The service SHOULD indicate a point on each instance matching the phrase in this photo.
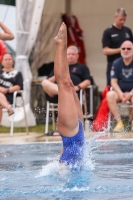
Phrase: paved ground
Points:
(19, 138)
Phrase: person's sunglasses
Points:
(126, 48)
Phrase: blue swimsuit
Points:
(73, 148)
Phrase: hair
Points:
(7, 54)
(121, 11)
(129, 43)
(74, 47)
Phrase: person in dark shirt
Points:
(122, 83)
(79, 73)
(113, 37)
(11, 80)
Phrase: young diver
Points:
(70, 116)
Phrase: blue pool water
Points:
(32, 171)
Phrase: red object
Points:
(3, 49)
(75, 35)
(101, 118)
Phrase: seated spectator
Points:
(10, 81)
(122, 83)
(79, 73)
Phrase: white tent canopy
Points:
(28, 21)
(30, 24)
(29, 14)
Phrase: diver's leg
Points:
(67, 123)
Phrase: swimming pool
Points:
(32, 171)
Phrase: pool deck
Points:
(21, 138)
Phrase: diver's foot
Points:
(61, 37)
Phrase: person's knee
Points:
(111, 96)
(45, 83)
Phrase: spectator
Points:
(113, 37)
(122, 83)
(10, 81)
(7, 34)
(79, 74)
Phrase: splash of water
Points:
(55, 167)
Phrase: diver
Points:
(70, 116)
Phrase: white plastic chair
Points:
(121, 107)
(13, 107)
(83, 102)
(50, 107)
(54, 107)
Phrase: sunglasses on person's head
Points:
(124, 48)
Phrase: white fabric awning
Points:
(29, 14)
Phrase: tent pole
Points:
(68, 6)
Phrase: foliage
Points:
(39, 128)
(8, 2)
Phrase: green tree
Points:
(8, 2)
